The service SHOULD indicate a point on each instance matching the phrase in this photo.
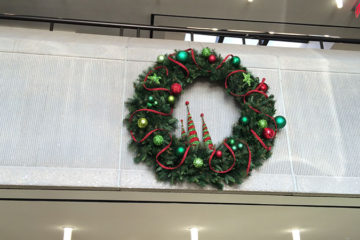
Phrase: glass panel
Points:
(200, 38)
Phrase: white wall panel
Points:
(59, 112)
(316, 138)
(62, 109)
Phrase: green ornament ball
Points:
(180, 151)
(262, 123)
(234, 148)
(198, 162)
(182, 56)
(158, 140)
(244, 120)
(280, 121)
(206, 52)
(160, 58)
(232, 141)
(142, 122)
(171, 99)
(149, 105)
(235, 61)
(240, 146)
(156, 103)
(151, 98)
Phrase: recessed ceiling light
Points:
(250, 0)
(194, 234)
(339, 3)
(296, 234)
(67, 233)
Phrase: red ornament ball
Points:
(269, 133)
(263, 87)
(212, 58)
(218, 153)
(176, 88)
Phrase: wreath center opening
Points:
(219, 109)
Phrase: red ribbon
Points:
(193, 58)
(147, 110)
(260, 140)
(226, 80)
(232, 153)
(179, 63)
(164, 149)
(257, 111)
(258, 86)
(156, 89)
(223, 61)
(249, 160)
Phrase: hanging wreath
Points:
(187, 159)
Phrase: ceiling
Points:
(40, 215)
(139, 11)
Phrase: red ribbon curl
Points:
(249, 159)
(257, 111)
(226, 82)
(179, 63)
(147, 110)
(164, 149)
(156, 89)
(232, 153)
(223, 61)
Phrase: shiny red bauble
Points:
(212, 58)
(176, 88)
(263, 87)
(268, 133)
(218, 153)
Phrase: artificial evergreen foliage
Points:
(238, 83)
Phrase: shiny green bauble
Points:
(280, 121)
(262, 123)
(171, 99)
(235, 61)
(244, 120)
(231, 141)
(142, 122)
(182, 56)
(151, 98)
(206, 52)
(149, 105)
(198, 162)
(160, 58)
(156, 103)
(240, 146)
(234, 148)
(180, 151)
(158, 140)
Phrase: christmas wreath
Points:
(186, 158)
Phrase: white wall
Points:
(62, 106)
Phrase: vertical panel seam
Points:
(286, 131)
(122, 112)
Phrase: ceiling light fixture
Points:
(67, 233)
(296, 234)
(339, 3)
(250, 0)
(194, 234)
